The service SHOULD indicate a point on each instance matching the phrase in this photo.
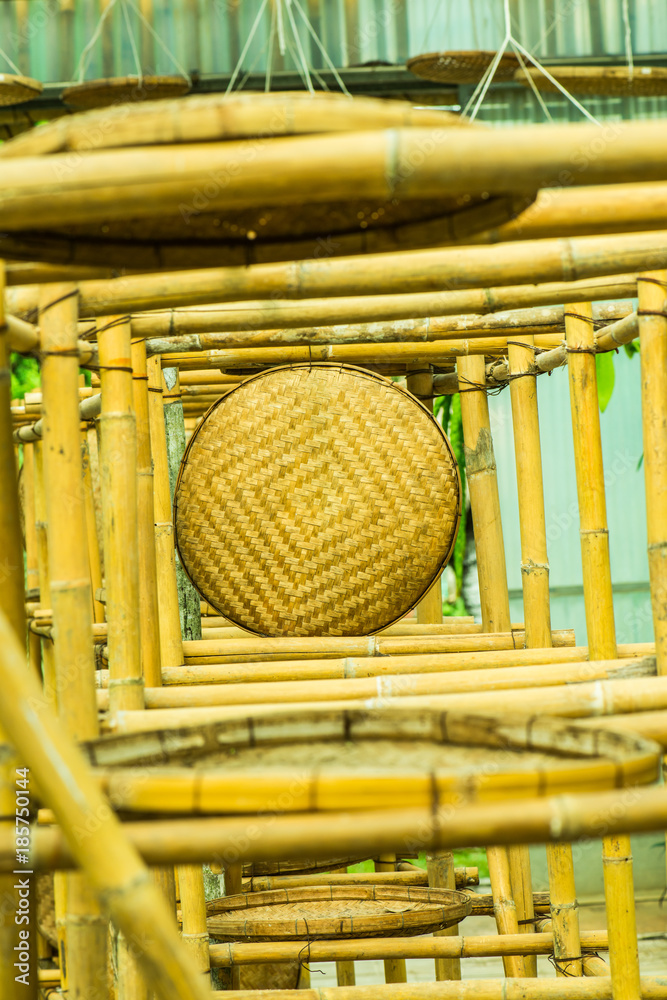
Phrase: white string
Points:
(83, 61)
(299, 46)
(157, 38)
(281, 27)
(533, 87)
(9, 62)
(269, 60)
(628, 37)
(135, 54)
(558, 85)
(325, 54)
(253, 30)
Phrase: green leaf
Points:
(606, 376)
(632, 348)
(640, 462)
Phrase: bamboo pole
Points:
(93, 833)
(463, 877)
(41, 528)
(598, 598)
(91, 529)
(372, 949)
(148, 594)
(442, 875)
(564, 911)
(171, 644)
(193, 913)
(188, 598)
(119, 509)
(12, 601)
(653, 340)
(146, 182)
(598, 601)
(394, 968)
(653, 988)
(374, 666)
(194, 839)
(578, 259)
(85, 925)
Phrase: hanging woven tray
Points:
(465, 67)
(335, 912)
(18, 89)
(607, 81)
(123, 89)
(194, 235)
(348, 759)
(330, 510)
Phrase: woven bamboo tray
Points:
(119, 90)
(607, 81)
(464, 67)
(377, 759)
(330, 510)
(335, 912)
(18, 89)
(197, 236)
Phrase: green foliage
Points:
(467, 857)
(606, 377)
(448, 410)
(25, 375)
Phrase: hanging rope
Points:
(628, 37)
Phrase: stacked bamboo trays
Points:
(462, 67)
(605, 81)
(199, 232)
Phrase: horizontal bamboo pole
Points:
(585, 700)
(577, 211)
(283, 647)
(372, 949)
(415, 630)
(463, 877)
(374, 666)
(397, 686)
(271, 837)
(375, 274)
(389, 354)
(575, 988)
(284, 313)
(403, 163)
(89, 408)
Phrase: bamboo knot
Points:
(532, 567)
(125, 682)
(657, 546)
(652, 312)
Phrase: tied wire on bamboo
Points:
(598, 603)
(84, 926)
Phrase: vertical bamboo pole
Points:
(652, 291)
(534, 571)
(91, 529)
(564, 911)
(71, 601)
(394, 968)
(188, 598)
(345, 974)
(598, 597)
(598, 602)
(148, 595)
(441, 875)
(494, 597)
(193, 910)
(119, 511)
(41, 528)
(12, 598)
(32, 570)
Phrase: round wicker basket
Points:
(605, 81)
(195, 235)
(18, 89)
(332, 515)
(335, 912)
(461, 67)
(348, 759)
(119, 90)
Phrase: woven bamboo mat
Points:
(464, 67)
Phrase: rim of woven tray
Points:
(336, 367)
(461, 66)
(613, 81)
(16, 89)
(94, 94)
(440, 907)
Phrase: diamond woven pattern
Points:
(316, 500)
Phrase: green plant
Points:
(447, 410)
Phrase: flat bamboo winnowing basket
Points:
(316, 500)
(122, 89)
(335, 912)
(341, 760)
(463, 67)
(192, 233)
(605, 81)
(16, 89)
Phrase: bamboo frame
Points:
(653, 340)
